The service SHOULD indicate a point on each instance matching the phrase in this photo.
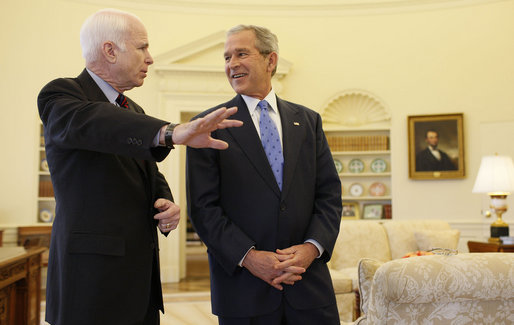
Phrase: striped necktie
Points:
(271, 142)
(122, 100)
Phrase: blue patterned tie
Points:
(271, 142)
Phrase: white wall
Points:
(419, 62)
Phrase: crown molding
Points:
(289, 8)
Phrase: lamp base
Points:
(499, 231)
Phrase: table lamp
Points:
(496, 178)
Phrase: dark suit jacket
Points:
(425, 161)
(104, 245)
(234, 203)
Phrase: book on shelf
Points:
(46, 189)
(358, 143)
(388, 214)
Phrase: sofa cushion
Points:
(401, 234)
(358, 239)
(428, 239)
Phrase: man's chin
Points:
(238, 88)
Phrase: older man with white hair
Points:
(110, 197)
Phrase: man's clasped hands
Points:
(284, 266)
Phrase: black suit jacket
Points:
(234, 203)
(425, 161)
(104, 247)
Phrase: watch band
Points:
(168, 136)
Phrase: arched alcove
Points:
(355, 108)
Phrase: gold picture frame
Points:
(350, 210)
(445, 158)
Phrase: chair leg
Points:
(357, 306)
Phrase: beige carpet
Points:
(179, 309)
(188, 309)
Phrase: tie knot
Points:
(263, 104)
(122, 101)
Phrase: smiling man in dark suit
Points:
(110, 197)
(269, 207)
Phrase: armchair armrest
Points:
(341, 282)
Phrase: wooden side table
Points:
(485, 247)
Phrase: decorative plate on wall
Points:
(44, 165)
(378, 165)
(356, 189)
(356, 166)
(377, 189)
(46, 215)
(339, 165)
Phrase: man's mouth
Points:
(238, 75)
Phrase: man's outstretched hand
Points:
(197, 133)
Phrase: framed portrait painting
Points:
(436, 146)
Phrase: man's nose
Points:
(149, 59)
(233, 62)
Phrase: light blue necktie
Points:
(271, 142)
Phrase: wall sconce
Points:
(496, 178)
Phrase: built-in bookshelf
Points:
(358, 127)
(363, 161)
(45, 199)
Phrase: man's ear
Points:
(109, 51)
(273, 61)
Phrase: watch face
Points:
(356, 189)
(356, 166)
(339, 165)
(378, 165)
(377, 189)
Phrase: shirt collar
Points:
(107, 89)
(251, 102)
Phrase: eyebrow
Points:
(238, 50)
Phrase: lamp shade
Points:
(496, 175)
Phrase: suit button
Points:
(282, 207)
(152, 245)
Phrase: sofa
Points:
(380, 240)
(469, 288)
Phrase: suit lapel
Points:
(250, 144)
(94, 93)
(293, 135)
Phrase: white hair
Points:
(103, 26)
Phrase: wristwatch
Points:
(168, 135)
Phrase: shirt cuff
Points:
(321, 250)
(155, 142)
(241, 261)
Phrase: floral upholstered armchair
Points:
(382, 241)
(460, 289)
